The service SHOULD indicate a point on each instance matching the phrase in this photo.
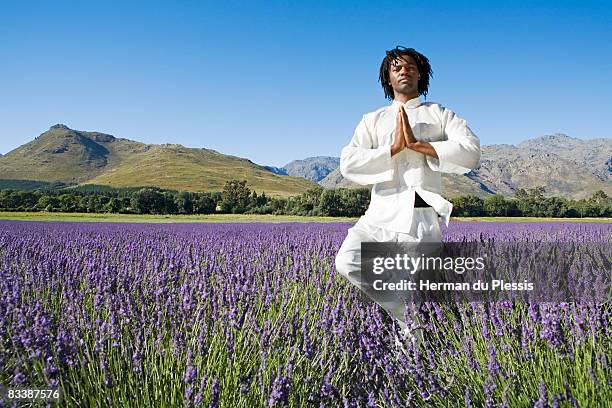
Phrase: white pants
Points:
(425, 228)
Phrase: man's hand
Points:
(410, 141)
(408, 135)
(399, 143)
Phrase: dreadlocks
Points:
(422, 65)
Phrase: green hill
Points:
(76, 157)
(180, 168)
(66, 155)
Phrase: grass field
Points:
(89, 217)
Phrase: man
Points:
(402, 149)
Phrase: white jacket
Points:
(367, 160)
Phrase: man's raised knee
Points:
(341, 264)
(345, 264)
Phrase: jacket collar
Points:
(410, 104)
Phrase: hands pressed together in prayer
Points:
(404, 138)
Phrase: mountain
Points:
(312, 168)
(277, 170)
(453, 185)
(77, 157)
(594, 154)
(67, 155)
(565, 166)
(181, 168)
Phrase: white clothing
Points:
(425, 228)
(391, 216)
(367, 160)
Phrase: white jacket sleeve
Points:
(460, 152)
(363, 164)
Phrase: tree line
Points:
(238, 198)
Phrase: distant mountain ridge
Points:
(312, 168)
(565, 166)
(66, 155)
(594, 153)
(277, 170)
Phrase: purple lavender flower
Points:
(279, 393)
(214, 394)
(492, 364)
(468, 398)
(542, 401)
(127, 297)
(489, 393)
(199, 397)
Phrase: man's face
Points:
(404, 75)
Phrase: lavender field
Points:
(254, 315)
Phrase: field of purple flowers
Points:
(254, 315)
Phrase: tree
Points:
(496, 206)
(526, 207)
(204, 203)
(537, 192)
(355, 201)
(330, 203)
(68, 203)
(88, 203)
(23, 200)
(113, 205)
(101, 202)
(126, 205)
(521, 194)
(169, 203)
(184, 202)
(148, 201)
(48, 203)
(600, 198)
(468, 206)
(513, 210)
(258, 204)
(306, 203)
(235, 197)
(276, 206)
(555, 207)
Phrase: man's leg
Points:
(424, 238)
(348, 264)
(348, 258)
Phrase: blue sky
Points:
(278, 81)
